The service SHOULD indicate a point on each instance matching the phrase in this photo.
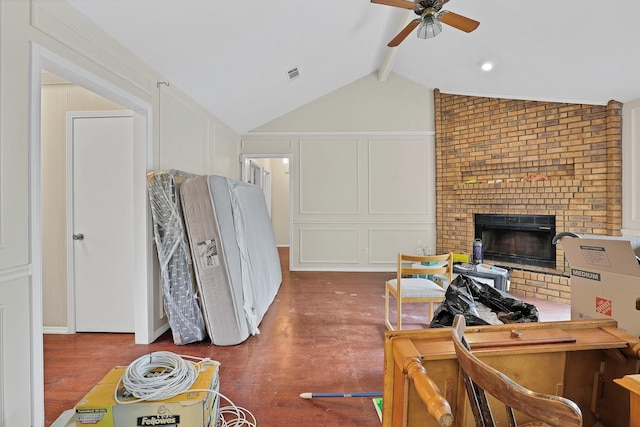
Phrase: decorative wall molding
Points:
(56, 330)
(385, 243)
(398, 177)
(343, 133)
(315, 250)
(367, 223)
(329, 177)
(78, 40)
(256, 147)
(13, 273)
(332, 188)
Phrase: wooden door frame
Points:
(42, 58)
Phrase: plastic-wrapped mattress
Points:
(177, 281)
(234, 252)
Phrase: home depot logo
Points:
(604, 306)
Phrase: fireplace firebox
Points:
(518, 239)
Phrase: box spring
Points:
(234, 252)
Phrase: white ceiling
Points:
(233, 56)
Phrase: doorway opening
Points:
(59, 98)
(43, 60)
(271, 172)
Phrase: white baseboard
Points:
(66, 419)
(56, 330)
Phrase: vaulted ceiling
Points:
(233, 56)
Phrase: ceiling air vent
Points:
(293, 74)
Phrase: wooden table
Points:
(632, 383)
(577, 359)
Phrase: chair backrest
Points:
(425, 265)
(480, 378)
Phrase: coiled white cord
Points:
(162, 375)
(159, 376)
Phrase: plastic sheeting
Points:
(178, 286)
(481, 304)
(261, 273)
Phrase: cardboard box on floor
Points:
(605, 280)
(192, 409)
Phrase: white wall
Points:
(191, 140)
(631, 168)
(39, 31)
(280, 201)
(363, 174)
(397, 106)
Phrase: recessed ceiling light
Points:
(486, 66)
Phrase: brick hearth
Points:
(577, 148)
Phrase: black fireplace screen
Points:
(519, 239)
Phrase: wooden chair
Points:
(406, 288)
(481, 379)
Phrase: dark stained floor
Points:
(323, 333)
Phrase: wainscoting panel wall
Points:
(398, 178)
(329, 177)
(358, 198)
(387, 242)
(324, 244)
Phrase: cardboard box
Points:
(605, 280)
(192, 409)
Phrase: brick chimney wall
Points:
(576, 148)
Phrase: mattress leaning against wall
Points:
(176, 273)
(235, 296)
(261, 273)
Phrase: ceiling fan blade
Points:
(404, 33)
(396, 3)
(458, 21)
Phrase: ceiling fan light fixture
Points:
(429, 27)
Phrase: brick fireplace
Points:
(518, 157)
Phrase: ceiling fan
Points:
(430, 17)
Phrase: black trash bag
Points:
(463, 293)
(458, 300)
(508, 308)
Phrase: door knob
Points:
(78, 236)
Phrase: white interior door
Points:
(101, 221)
